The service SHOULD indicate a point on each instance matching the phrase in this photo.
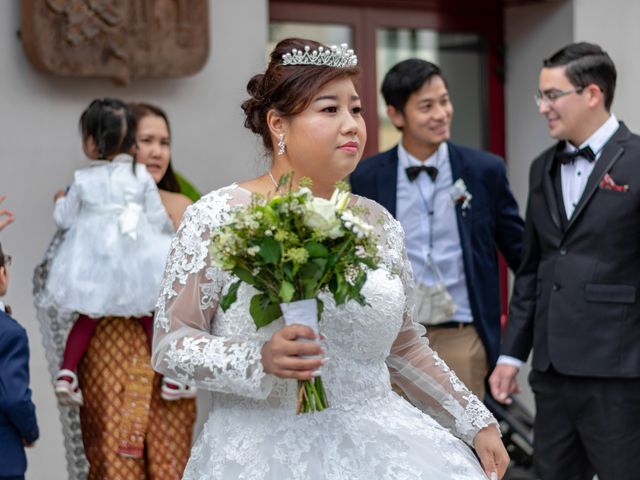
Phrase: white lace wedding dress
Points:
(369, 432)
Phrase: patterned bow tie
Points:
(413, 172)
(568, 157)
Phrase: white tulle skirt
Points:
(100, 271)
(383, 439)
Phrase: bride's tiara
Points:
(341, 57)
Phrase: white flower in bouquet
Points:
(356, 224)
(320, 214)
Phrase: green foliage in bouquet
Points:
(292, 246)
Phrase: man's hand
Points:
(503, 383)
(58, 194)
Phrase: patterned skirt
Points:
(128, 431)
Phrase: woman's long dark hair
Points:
(169, 181)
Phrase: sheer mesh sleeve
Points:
(424, 377)
(183, 346)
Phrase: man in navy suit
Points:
(18, 426)
(457, 211)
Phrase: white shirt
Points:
(574, 175)
(436, 233)
(574, 178)
(2, 309)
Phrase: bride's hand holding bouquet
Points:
(290, 248)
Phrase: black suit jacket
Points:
(575, 298)
(492, 221)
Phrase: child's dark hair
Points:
(110, 123)
(1, 256)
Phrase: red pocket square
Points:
(607, 183)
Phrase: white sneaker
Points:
(172, 390)
(67, 389)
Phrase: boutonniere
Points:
(460, 195)
(608, 183)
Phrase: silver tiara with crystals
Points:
(334, 56)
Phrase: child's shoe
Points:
(172, 390)
(67, 389)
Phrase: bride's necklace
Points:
(273, 180)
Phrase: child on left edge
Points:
(18, 424)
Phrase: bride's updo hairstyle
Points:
(287, 89)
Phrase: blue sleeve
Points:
(15, 394)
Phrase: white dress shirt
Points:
(437, 233)
(573, 177)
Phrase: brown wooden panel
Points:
(117, 39)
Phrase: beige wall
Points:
(40, 148)
(613, 24)
(532, 33)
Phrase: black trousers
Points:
(586, 425)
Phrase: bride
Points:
(308, 114)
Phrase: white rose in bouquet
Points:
(320, 214)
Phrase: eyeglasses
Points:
(7, 260)
(551, 96)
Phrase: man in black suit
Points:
(575, 299)
(457, 210)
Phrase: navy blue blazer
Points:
(17, 411)
(491, 223)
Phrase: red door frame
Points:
(365, 16)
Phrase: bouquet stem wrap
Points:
(311, 396)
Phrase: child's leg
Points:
(147, 324)
(78, 342)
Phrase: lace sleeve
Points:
(183, 346)
(424, 377)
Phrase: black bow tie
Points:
(413, 172)
(568, 157)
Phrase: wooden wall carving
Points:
(118, 39)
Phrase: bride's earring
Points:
(281, 145)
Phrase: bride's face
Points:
(326, 141)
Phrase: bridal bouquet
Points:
(290, 247)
